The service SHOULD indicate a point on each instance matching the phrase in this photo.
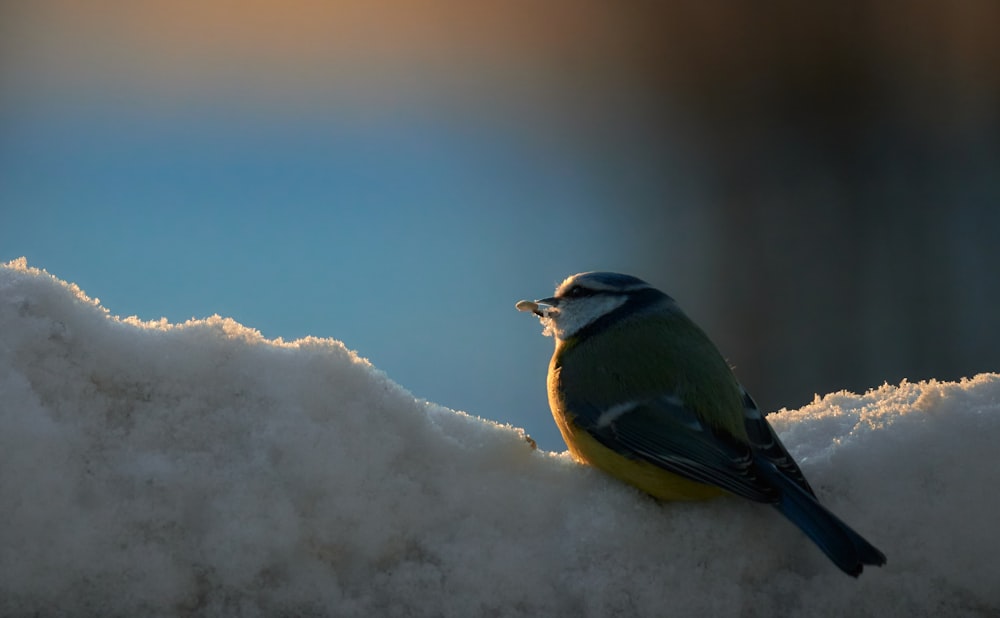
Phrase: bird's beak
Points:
(542, 308)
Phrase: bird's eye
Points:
(575, 292)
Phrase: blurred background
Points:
(818, 184)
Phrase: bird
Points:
(639, 391)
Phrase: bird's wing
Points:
(667, 434)
(767, 445)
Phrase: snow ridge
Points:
(159, 469)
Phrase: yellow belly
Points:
(651, 479)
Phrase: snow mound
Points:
(159, 469)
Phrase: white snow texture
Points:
(198, 469)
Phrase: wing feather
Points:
(767, 445)
(665, 433)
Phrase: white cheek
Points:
(574, 315)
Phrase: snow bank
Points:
(199, 469)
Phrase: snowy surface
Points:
(149, 468)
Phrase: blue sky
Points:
(407, 235)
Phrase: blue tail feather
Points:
(845, 547)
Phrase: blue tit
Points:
(639, 391)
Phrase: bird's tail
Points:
(845, 547)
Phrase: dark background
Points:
(851, 159)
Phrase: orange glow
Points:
(694, 52)
(307, 44)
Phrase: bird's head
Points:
(585, 298)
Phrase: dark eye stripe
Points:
(578, 291)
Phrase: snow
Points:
(158, 469)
